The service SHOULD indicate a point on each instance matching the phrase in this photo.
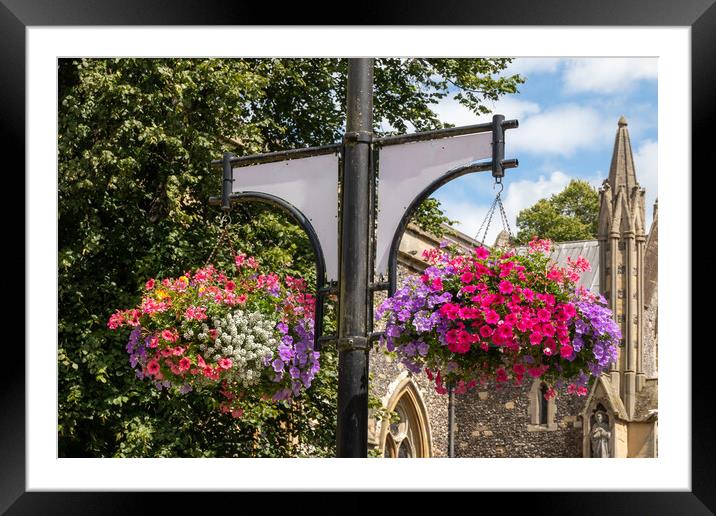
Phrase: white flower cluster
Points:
(244, 337)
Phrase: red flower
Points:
(153, 367)
(543, 315)
(482, 253)
(492, 317)
(486, 331)
(501, 376)
(566, 350)
(506, 287)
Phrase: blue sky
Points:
(568, 111)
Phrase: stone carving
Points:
(600, 436)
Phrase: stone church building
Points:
(517, 421)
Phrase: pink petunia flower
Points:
(535, 338)
(153, 367)
(566, 350)
(492, 317)
(486, 331)
(544, 315)
(482, 253)
(467, 277)
(115, 320)
(506, 287)
(501, 376)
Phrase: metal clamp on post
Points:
(498, 146)
(499, 163)
(358, 137)
(353, 343)
(227, 184)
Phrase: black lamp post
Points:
(354, 276)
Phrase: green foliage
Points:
(135, 142)
(571, 214)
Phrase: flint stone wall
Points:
(496, 423)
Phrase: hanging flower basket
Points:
(250, 335)
(499, 316)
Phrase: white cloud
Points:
(469, 216)
(646, 165)
(451, 111)
(517, 196)
(562, 130)
(527, 66)
(523, 194)
(607, 75)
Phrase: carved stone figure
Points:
(600, 436)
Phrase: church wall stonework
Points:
(651, 300)
(651, 336)
(496, 423)
(641, 440)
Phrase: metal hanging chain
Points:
(225, 223)
(497, 203)
(487, 220)
(505, 221)
(224, 237)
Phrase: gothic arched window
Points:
(544, 405)
(542, 411)
(407, 435)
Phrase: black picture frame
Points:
(17, 15)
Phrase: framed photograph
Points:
(668, 47)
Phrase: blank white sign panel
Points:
(406, 170)
(310, 185)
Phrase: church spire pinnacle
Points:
(621, 171)
(621, 255)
